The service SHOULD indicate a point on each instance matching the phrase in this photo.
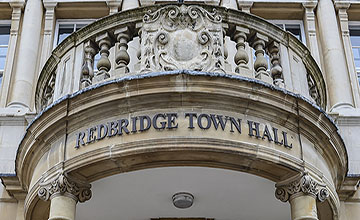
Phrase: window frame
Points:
(357, 24)
(68, 21)
(289, 22)
(3, 23)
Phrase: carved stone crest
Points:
(305, 184)
(182, 37)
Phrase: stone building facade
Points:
(164, 109)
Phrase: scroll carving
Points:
(182, 37)
(304, 184)
(65, 185)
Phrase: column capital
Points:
(65, 185)
(341, 5)
(311, 5)
(49, 4)
(245, 6)
(17, 4)
(302, 183)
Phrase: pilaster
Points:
(310, 29)
(342, 8)
(49, 27)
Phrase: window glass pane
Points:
(355, 40)
(4, 34)
(3, 51)
(2, 62)
(64, 31)
(356, 52)
(79, 26)
(294, 29)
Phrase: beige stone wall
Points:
(340, 77)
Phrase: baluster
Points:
(104, 64)
(241, 57)
(276, 70)
(87, 70)
(261, 63)
(122, 57)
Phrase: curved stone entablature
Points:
(173, 37)
(245, 124)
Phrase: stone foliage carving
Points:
(48, 95)
(63, 184)
(304, 184)
(313, 90)
(182, 37)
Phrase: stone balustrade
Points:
(173, 37)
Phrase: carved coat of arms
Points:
(182, 37)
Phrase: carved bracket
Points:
(301, 184)
(63, 184)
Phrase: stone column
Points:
(49, 27)
(310, 29)
(17, 6)
(21, 94)
(335, 67)
(64, 192)
(301, 191)
(345, 33)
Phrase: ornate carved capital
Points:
(63, 184)
(301, 184)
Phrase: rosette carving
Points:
(304, 184)
(65, 185)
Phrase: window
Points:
(355, 44)
(66, 27)
(295, 27)
(4, 41)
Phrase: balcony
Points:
(200, 38)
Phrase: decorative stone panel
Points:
(182, 37)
